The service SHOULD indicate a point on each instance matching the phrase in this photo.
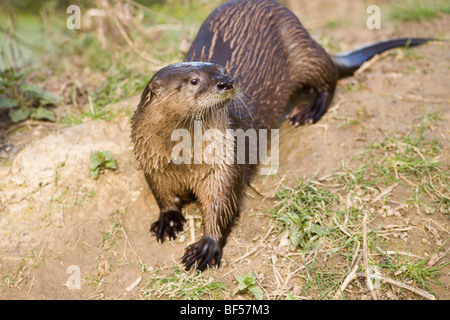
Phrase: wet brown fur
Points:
(268, 53)
(265, 48)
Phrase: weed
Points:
(418, 271)
(301, 209)
(414, 163)
(322, 219)
(24, 100)
(94, 280)
(248, 283)
(179, 284)
(100, 161)
(116, 230)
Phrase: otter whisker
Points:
(241, 96)
(176, 126)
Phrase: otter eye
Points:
(194, 82)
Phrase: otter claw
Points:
(169, 224)
(203, 254)
(311, 113)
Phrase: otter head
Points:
(189, 89)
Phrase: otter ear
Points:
(152, 89)
(155, 86)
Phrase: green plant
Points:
(24, 100)
(101, 161)
(419, 271)
(179, 284)
(321, 221)
(247, 283)
(116, 230)
(299, 210)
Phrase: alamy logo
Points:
(74, 280)
(74, 20)
(374, 21)
(215, 147)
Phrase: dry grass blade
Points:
(350, 277)
(368, 64)
(399, 284)
(260, 243)
(366, 262)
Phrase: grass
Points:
(116, 231)
(320, 221)
(65, 199)
(176, 283)
(303, 211)
(418, 271)
(413, 162)
(28, 263)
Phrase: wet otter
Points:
(175, 97)
(270, 56)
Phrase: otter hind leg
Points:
(312, 112)
(169, 224)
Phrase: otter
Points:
(175, 97)
(255, 47)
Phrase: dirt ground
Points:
(52, 215)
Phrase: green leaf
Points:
(251, 277)
(290, 296)
(48, 98)
(101, 161)
(256, 291)
(247, 282)
(241, 283)
(111, 164)
(8, 103)
(94, 164)
(296, 236)
(106, 155)
(94, 173)
(95, 160)
(17, 115)
(43, 114)
(32, 91)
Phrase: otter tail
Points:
(348, 62)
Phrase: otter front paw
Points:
(169, 224)
(202, 254)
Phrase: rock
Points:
(49, 184)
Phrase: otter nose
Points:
(226, 83)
